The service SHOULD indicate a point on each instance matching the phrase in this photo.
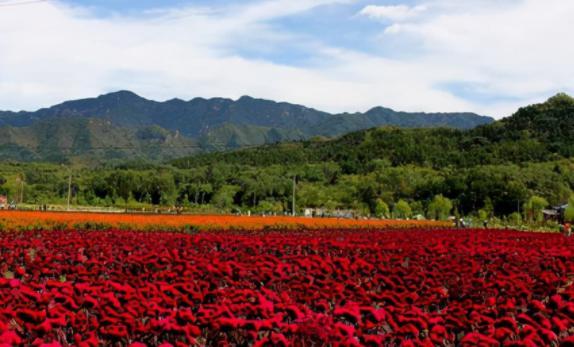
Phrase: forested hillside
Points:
(497, 169)
(536, 133)
(122, 126)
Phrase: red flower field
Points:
(302, 288)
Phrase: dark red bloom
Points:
(328, 287)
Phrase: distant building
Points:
(555, 213)
(322, 212)
(315, 212)
(3, 202)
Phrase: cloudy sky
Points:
(485, 56)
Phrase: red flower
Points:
(476, 339)
(439, 334)
(10, 338)
(117, 331)
(330, 287)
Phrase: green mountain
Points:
(62, 138)
(492, 170)
(125, 125)
(536, 133)
(495, 168)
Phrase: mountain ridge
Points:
(535, 133)
(210, 124)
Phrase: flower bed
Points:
(27, 220)
(345, 288)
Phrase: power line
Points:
(20, 3)
(97, 148)
(152, 146)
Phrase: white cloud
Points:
(393, 12)
(51, 52)
(518, 50)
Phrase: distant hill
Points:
(537, 133)
(61, 138)
(125, 125)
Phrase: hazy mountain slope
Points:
(63, 138)
(535, 133)
(91, 127)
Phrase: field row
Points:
(32, 220)
(344, 288)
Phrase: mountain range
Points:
(123, 125)
(536, 133)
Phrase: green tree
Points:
(533, 208)
(515, 219)
(417, 209)
(3, 181)
(161, 187)
(439, 208)
(225, 196)
(121, 183)
(270, 206)
(402, 210)
(488, 207)
(311, 195)
(381, 209)
(200, 192)
(483, 215)
(569, 213)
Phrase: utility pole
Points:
(69, 188)
(294, 185)
(19, 196)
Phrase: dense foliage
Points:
(495, 170)
(498, 189)
(536, 133)
(123, 125)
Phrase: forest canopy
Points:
(494, 169)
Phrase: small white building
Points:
(323, 212)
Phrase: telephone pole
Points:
(19, 196)
(69, 189)
(294, 187)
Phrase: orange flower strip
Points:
(26, 220)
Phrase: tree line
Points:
(385, 191)
(511, 169)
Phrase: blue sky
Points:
(138, 7)
(334, 24)
(485, 56)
